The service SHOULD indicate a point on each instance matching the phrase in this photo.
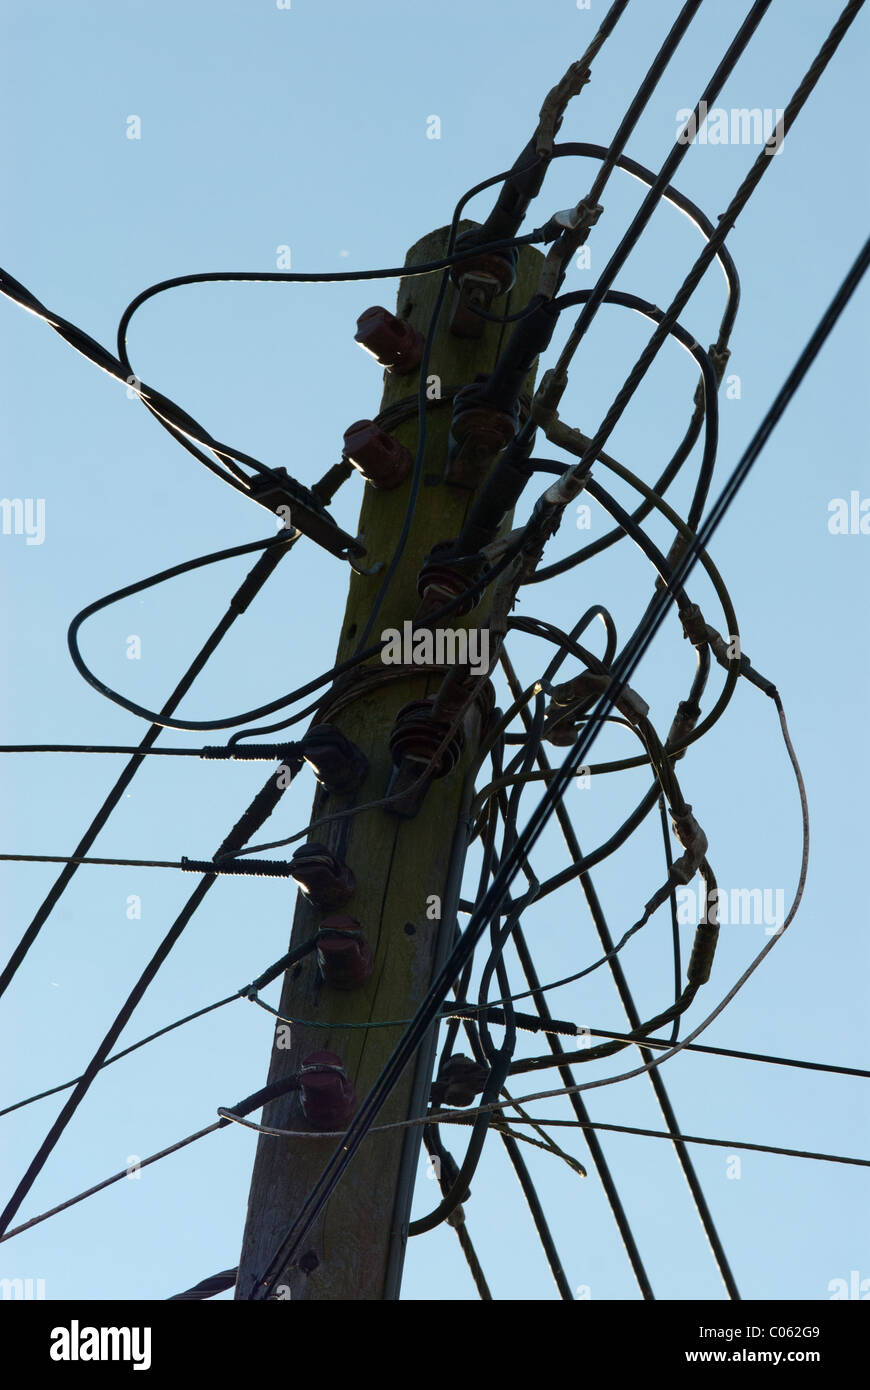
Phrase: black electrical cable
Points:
(125, 1052)
(452, 1117)
(188, 725)
(207, 1288)
(519, 1165)
(173, 572)
(663, 178)
(128, 748)
(533, 332)
(78, 859)
(537, 625)
(561, 1058)
(605, 280)
(708, 374)
(181, 426)
(545, 1236)
(578, 1106)
(690, 209)
(726, 221)
(495, 962)
(828, 1067)
(502, 488)
(247, 992)
(511, 1147)
(312, 277)
(596, 1152)
(243, 596)
(258, 811)
(681, 1138)
(636, 107)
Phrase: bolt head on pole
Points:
(479, 281)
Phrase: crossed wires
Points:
(577, 711)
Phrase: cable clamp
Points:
(553, 107)
(687, 715)
(576, 224)
(543, 409)
(673, 558)
(276, 488)
(694, 624)
(587, 686)
(565, 489)
(579, 218)
(719, 357)
(693, 840)
(727, 657)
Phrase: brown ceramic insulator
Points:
(392, 342)
(337, 763)
(382, 460)
(417, 735)
(438, 582)
(328, 1097)
(459, 1081)
(478, 432)
(416, 738)
(343, 954)
(325, 880)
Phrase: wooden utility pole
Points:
(400, 866)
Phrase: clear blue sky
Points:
(306, 127)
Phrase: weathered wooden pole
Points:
(400, 865)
